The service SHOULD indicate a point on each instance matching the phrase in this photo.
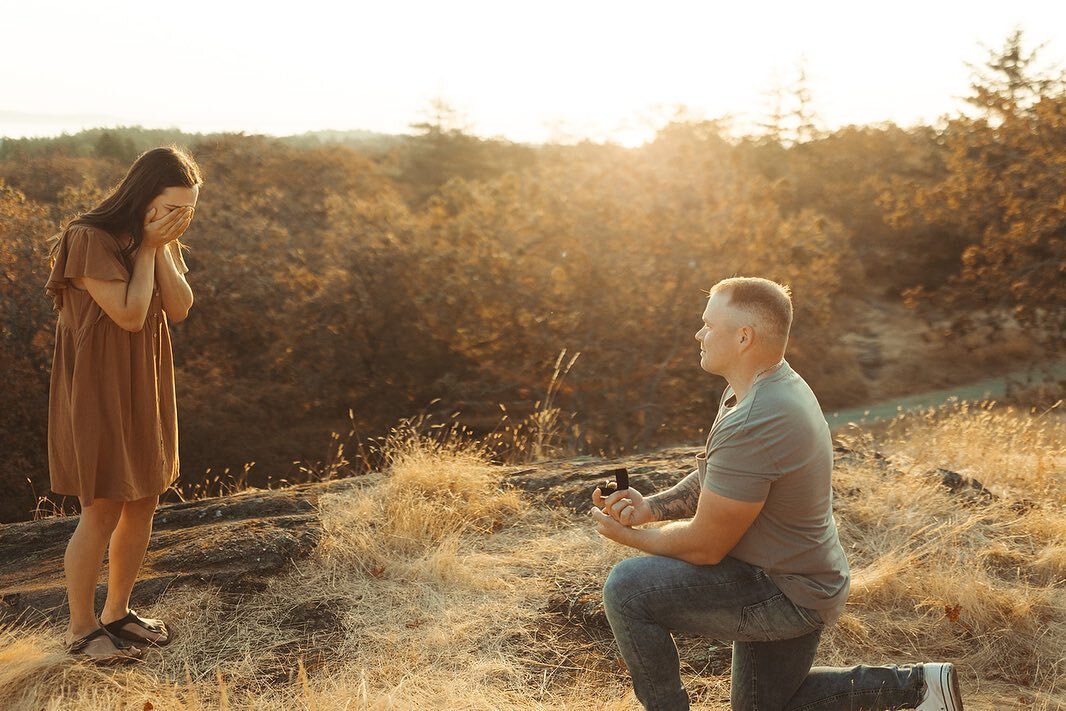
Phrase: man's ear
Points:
(747, 337)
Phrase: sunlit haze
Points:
(549, 70)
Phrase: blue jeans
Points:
(774, 641)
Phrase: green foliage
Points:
(124, 143)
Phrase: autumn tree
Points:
(444, 147)
(865, 178)
(26, 338)
(791, 118)
(444, 268)
(1011, 81)
(1006, 175)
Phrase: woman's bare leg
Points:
(129, 542)
(81, 565)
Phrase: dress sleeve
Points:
(179, 258)
(84, 252)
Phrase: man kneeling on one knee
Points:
(752, 553)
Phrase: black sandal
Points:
(117, 629)
(122, 649)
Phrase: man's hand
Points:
(607, 527)
(627, 507)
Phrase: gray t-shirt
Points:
(775, 446)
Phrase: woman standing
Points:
(117, 281)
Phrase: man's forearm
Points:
(679, 540)
(679, 501)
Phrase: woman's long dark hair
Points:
(122, 212)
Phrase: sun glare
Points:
(519, 71)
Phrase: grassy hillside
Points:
(436, 588)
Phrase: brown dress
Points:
(112, 417)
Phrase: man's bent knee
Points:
(626, 580)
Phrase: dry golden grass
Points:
(956, 576)
(431, 588)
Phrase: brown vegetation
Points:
(435, 584)
(446, 272)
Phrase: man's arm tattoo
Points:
(679, 501)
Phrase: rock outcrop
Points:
(236, 543)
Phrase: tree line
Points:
(442, 272)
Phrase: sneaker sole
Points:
(950, 681)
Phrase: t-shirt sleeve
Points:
(85, 252)
(740, 464)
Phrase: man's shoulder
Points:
(757, 417)
(787, 394)
(778, 404)
(780, 411)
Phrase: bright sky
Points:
(528, 71)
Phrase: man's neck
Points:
(745, 376)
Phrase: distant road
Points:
(988, 389)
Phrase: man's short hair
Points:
(769, 302)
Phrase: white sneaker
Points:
(941, 688)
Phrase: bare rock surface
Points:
(237, 543)
(234, 543)
(568, 483)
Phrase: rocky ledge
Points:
(236, 543)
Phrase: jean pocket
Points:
(812, 616)
(773, 619)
